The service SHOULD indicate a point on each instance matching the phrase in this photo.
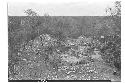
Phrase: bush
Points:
(60, 29)
(111, 50)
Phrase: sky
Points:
(79, 8)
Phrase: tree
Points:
(30, 12)
(112, 47)
(116, 10)
(115, 13)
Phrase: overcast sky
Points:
(60, 9)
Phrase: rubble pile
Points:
(48, 58)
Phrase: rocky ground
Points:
(47, 58)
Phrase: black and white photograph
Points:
(76, 41)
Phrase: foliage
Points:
(112, 50)
(112, 47)
(116, 10)
(28, 39)
(30, 12)
(115, 13)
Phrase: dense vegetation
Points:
(28, 36)
(101, 30)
